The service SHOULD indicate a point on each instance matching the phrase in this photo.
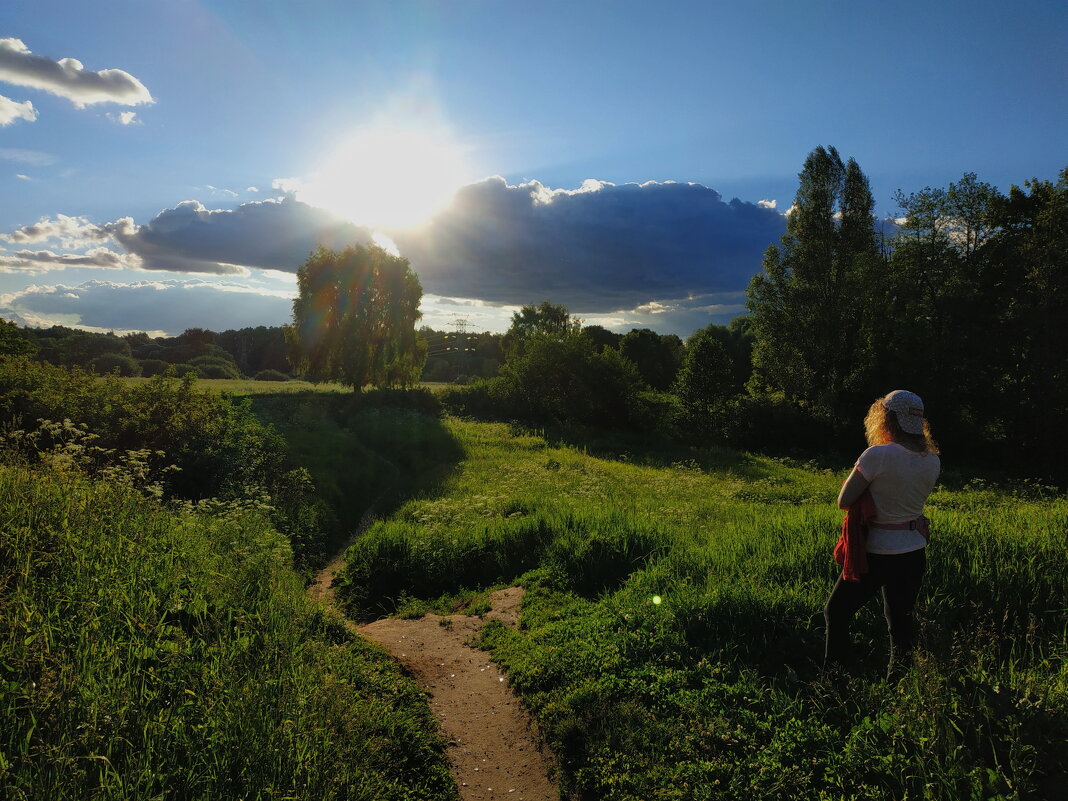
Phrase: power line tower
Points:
(461, 343)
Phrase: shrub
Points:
(271, 375)
(153, 367)
(556, 379)
(219, 447)
(126, 366)
(215, 366)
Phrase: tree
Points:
(656, 356)
(810, 306)
(602, 338)
(354, 319)
(13, 342)
(565, 379)
(547, 318)
(705, 380)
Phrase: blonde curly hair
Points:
(881, 428)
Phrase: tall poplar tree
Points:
(810, 306)
(354, 319)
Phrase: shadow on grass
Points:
(375, 448)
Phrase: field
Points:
(247, 386)
(671, 640)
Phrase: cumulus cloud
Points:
(165, 306)
(670, 256)
(68, 78)
(597, 249)
(270, 234)
(11, 110)
(41, 260)
(69, 232)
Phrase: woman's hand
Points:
(852, 488)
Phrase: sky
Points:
(167, 164)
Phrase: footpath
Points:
(492, 750)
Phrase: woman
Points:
(898, 471)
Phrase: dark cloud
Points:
(270, 234)
(68, 78)
(600, 248)
(167, 306)
(668, 256)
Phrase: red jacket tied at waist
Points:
(851, 551)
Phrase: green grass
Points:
(151, 653)
(247, 386)
(714, 691)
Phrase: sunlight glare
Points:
(392, 177)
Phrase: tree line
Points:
(258, 352)
(965, 302)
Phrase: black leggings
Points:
(899, 576)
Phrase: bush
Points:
(153, 367)
(219, 447)
(214, 366)
(126, 366)
(182, 370)
(556, 379)
(270, 375)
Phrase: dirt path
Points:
(492, 752)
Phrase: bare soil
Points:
(492, 748)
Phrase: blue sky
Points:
(240, 134)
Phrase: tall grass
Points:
(671, 640)
(151, 653)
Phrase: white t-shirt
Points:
(900, 481)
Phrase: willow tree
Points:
(811, 305)
(354, 319)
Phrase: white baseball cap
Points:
(908, 406)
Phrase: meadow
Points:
(240, 387)
(157, 642)
(152, 652)
(671, 638)
(155, 637)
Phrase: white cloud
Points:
(23, 176)
(68, 78)
(35, 158)
(768, 204)
(11, 110)
(287, 186)
(251, 189)
(124, 117)
(69, 232)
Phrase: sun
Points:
(389, 177)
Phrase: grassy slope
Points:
(147, 653)
(714, 691)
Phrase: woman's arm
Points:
(852, 488)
